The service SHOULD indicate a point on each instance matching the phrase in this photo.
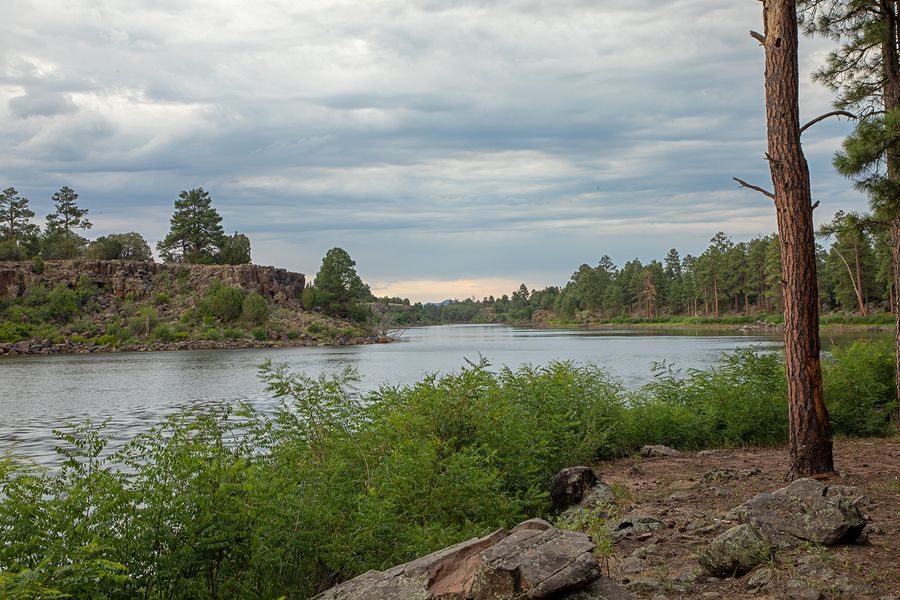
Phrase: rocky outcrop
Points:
(534, 560)
(141, 279)
(807, 510)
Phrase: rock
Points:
(729, 474)
(536, 563)
(634, 523)
(735, 552)
(632, 565)
(797, 590)
(644, 585)
(680, 496)
(569, 486)
(761, 579)
(658, 450)
(534, 560)
(804, 511)
(600, 494)
(602, 588)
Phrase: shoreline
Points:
(758, 326)
(45, 347)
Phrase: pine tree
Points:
(865, 73)
(68, 215)
(196, 233)
(15, 225)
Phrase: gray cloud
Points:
(458, 139)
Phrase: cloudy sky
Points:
(454, 148)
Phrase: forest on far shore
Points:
(727, 281)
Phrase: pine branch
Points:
(834, 113)
(750, 186)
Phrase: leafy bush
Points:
(314, 328)
(859, 388)
(161, 298)
(212, 334)
(105, 340)
(14, 332)
(233, 333)
(223, 302)
(254, 310)
(260, 334)
(62, 304)
(163, 333)
(144, 322)
(37, 265)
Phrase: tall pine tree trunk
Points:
(810, 435)
(891, 64)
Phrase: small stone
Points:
(635, 524)
(797, 590)
(680, 496)
(632, 565)
(761, 579)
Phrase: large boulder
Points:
(534, 560)
(569, 486)
(807, 510)
(735, 552)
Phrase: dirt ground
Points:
(691, 493)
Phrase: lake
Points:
(135, 390)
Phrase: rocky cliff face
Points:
(141, 279)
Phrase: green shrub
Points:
(144, 322)
(212, 334)
(181, 335)
(105, 340)
(293, 334)
(78, 339)
(314, 328)
(223, 302)
(163, 333)
(14, 332)
(161, 298)
(859, 388)
(260, 334)
(233, 333)
(255, 311)
(37, 265)
(62, 304)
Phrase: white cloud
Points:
(464, 140)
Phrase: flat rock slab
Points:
(807, 510)
(658, 450)
(534, 560)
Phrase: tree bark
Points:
(891, 99)
(810, 435)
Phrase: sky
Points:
(455, 148)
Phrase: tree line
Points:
(196, 234)
(728, 278)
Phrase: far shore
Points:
(44, 347)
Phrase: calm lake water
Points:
(134, 390)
